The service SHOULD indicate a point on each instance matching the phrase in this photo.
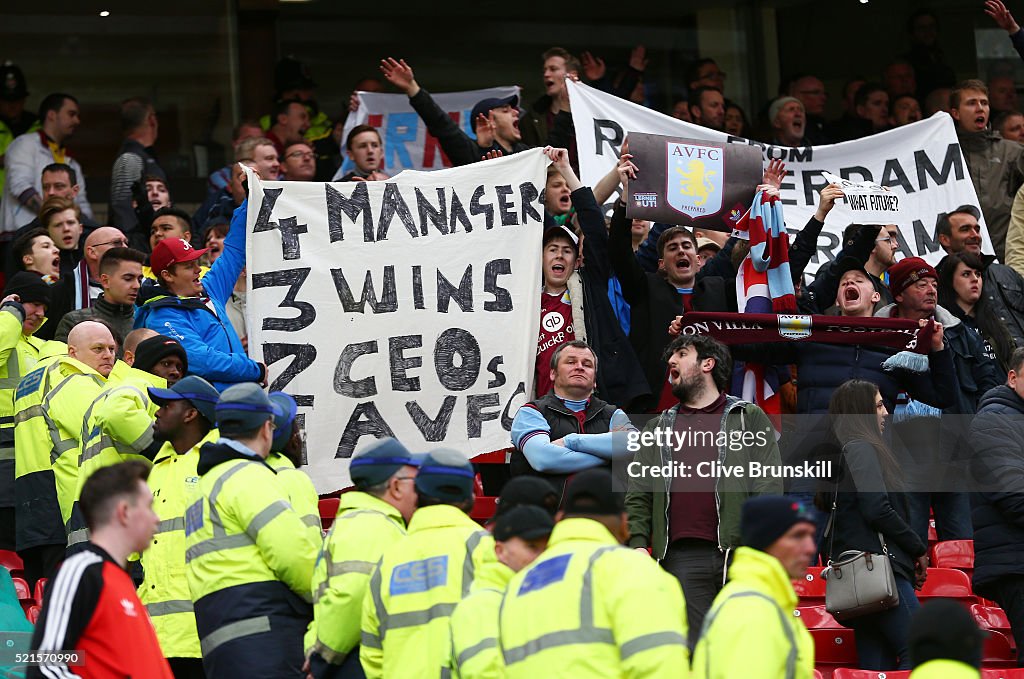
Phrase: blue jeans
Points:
(952, 515)
(882, 637)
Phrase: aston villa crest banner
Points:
(688, 181)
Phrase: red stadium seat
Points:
(816, 617)
(958, 554)
(998, 650)
(22, 590)
(483, 508)
(12, 562)
(811, 589)
(32, 613)
(1005, 673)
(847, 673)
(37, 594)
(328, 510)
(834, 647)
(817, 674)
(947, 583)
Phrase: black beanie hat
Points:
(29, 287)
(151, 351)
(943, 629)
(765, 519)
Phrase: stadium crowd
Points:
(146, 475)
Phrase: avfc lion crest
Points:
(795, 327)
(694, 177)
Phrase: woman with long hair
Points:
(961, 292)
(870, 509)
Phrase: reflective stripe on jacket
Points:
(589, 607)
(405, 629)
(750, 630)
(50, 404)
(164, 590)
(364, 527)
(475, 652)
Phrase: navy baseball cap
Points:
(283, 420)
(527, 522)
(243, 408)
(195, 389)
(379, 462)
(486, 105)
(447, 475)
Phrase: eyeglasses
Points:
(120, 242)
(887, 239)
(305, 155)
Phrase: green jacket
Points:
(647, 499)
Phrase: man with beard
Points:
(568, 429)
(184, 422)
(959, 231)
(691, 524)
(496, 121)
(707, 108)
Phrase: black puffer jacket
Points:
(823, 367)
(866, 508)
(997, 437)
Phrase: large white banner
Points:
(921, 163)
(403, 308)
(407, 144)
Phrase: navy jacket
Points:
(997, 435)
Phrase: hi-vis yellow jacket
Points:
(50, 404)
(475, 652)
(118, 426)
(405, 630)
(363, 528)
(19, 354)
(301, 493)
(750, 630)
(249, 561)
(589, 607)
(164, 590)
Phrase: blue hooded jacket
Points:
(214, 350)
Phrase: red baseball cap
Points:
(172, 251)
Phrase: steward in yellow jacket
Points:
(750, 630)
(520, 535)
(589, 607)
(369, 520)
(285, 458)
(249, 557)
(50, 404)
(22, 312)
(184, 423)
(405, 630)
(118, 425)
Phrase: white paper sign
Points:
(405, 308)
(921, 163)
(868, 202)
